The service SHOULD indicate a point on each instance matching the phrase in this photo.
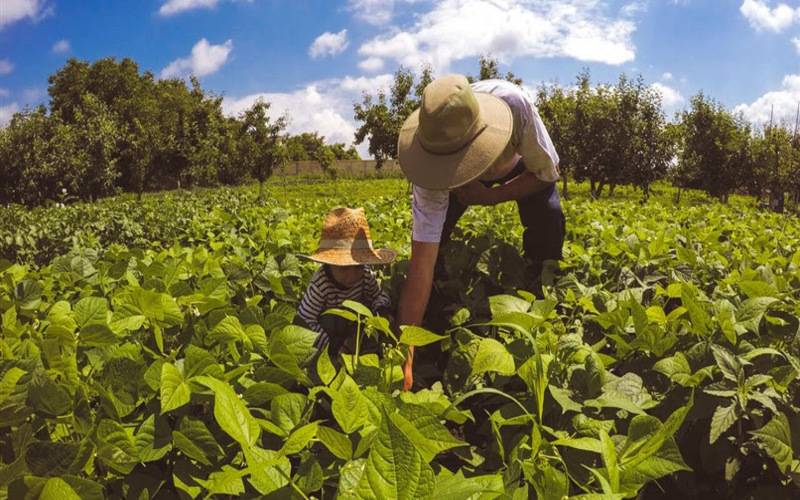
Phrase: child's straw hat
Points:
(346, 241)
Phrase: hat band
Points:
(344, 244)
(452, 147)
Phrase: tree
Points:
(488, 70)
(714, 148)
(382, 116)
(260, 143)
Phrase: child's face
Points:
(347, 276)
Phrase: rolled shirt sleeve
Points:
(429, 210)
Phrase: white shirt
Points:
(530, 140)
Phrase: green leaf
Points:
(723, 418)
(336, 442)
(200, 362)
(230, 412)
(416, 336)
(548, 482)
(175, 392)
(358, 308)
(261, 393)
(9, 382)
(325, 369)
(91, 310)
(229, 329)
(492, 356)
(227, 481)
(115, 447)
(48, 397)
(395, 469)
(300, 438)
(562, 397)
(287, 410)
(290, 347)
(425, 431)
(609, 454)
(701, 321)
(580, 443)
(647, 437)
(674, 367)
(153, 440)
(626, 393)
(776, 439)
(752, 310)
(458, 487)
(504, 304)
(728, 363)
(349, 477)
(755, 289)
(57, 489)
(195, 440)
(269, 471)
(726, 315)
(46, 458)
(349, 406)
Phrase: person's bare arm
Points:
(525, 184)
(415, 295)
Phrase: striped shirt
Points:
(324, 293)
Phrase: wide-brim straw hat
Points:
(455, 135)
(346, 241)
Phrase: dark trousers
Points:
(540, 214)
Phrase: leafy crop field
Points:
(147, 352)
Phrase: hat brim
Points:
(449, 171)
(352, 256)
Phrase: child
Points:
(345, 250)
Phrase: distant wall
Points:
(344, 168)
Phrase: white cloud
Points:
(328, 44)
(371, 64)
(6, 112)
(796, 42)
(4, 92)
(762, 17)
(670, 98)
(6, 67)
(634, 8)
(507, 29)
(667, 76)
(172, 7)
(325, 106)
(61, 47)
(12, 11)
(204, 60)
(783, 103)
(375, 12)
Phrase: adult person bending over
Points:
(482, 144)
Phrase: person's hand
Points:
(474, 193)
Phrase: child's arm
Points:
(379, 300)
(310, 310)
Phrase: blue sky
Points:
(313, 58)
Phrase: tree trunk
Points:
(564, 193)
(600, 187)
(777, 200)
(611, 188)
(261, 190)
